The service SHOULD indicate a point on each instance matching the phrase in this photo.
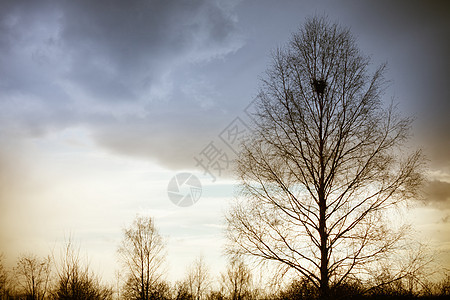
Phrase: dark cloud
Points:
(410, 36)
(118, 49)
(114, 66)
(438, 193)
(112, 49)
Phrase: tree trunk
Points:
(324, 279)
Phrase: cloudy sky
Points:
(103, 102)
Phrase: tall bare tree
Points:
(75, 281)
(4, 280)
(198, 279)
(237, 280)
(33, 276)
(142, 254)
(324, 163)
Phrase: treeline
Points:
(142, 276)
(39, 278)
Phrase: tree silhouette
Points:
(182, 291)
(33, 276)
(142, 255)
(4, 280)
(237, 280)
(198, 279)
(76, 281)
(324, 163)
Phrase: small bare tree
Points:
(4, 280)
(75, 281)
(142, 254)
(182, 291)
(237, 280)
(324, 162)
(33, 276)
(198, 279)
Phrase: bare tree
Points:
(118, 280)
(75, 280)
(142, 254)
(198, 279)
(407, 274)
(182, 291)
(324, 163)
(4, 280)
(237, 280)
(33, 276)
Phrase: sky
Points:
(103, 102)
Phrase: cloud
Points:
(410, 36)
(119, 49)
(111, 49)
(118, 68)
(172, 138)
(438, 193)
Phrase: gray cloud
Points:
(437, 193)
(119, 49)
(410, 36)
(117, 67)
